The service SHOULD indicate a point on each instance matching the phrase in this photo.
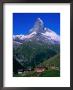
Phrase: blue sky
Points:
(23, 22)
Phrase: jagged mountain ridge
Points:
(38, 33)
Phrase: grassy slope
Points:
(54, 60)
(51, 73)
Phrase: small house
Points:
(52, 66)
(39, 69)
(20, 71)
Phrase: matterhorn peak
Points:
(39, 20)
(38, 31)
(38, 25)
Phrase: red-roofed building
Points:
(39, 69)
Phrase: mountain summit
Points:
(39, 25)
(38, 33)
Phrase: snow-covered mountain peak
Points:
(39, 32)
(23, 37)
(51, 35)
(38, 25)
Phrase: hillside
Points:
(53, 60)
(32, 54)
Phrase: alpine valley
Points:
(38, 51)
